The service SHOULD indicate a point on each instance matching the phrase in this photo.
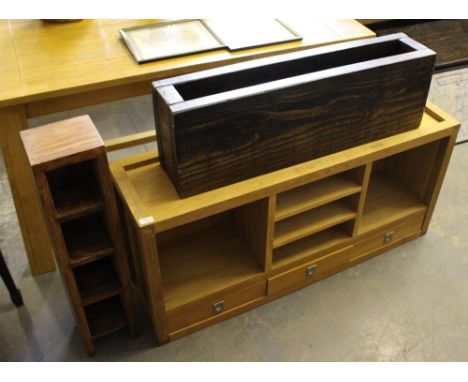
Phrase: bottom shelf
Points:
(106, 317)
(310, 247)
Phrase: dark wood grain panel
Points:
(223, 138)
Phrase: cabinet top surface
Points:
(53, 143)
(42, 60)
(153, 200)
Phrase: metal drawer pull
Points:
(218, 307)
(311, 270)
(388, 237)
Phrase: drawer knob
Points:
(388, 237)
(311, 270)
(218, 307)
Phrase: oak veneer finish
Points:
(48, 68)
(224, 125)
(193, 253)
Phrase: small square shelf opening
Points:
(212, 254)
(75, 190)
(106, 317)
(87, 239)
(97, 281)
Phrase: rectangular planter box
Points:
(223, 125)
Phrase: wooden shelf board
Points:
(309, 247)
(106, 317)
(313, 195)
(97, 281)
(310, 222)
(77, 200)
(203, 263)
(86, 240)
(387, 202)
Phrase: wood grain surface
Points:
(239, 128)
(49, 61)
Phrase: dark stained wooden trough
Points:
(220, 126)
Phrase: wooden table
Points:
(46, 68)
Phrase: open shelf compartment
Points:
(317, 193)
(313, 221)
(311, 247)
(106, 317)
(210, 255)
(87, 239)
(97, 281)
(400, 187)
(75, 190)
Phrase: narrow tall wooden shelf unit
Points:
(205, 258)
(70, 167)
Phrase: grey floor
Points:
(409, 304)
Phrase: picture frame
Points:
(170, 39)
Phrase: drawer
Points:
(215, 305)
(386, 238)
(308, 273)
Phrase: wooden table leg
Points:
(35, 236)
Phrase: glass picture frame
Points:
(170, 39)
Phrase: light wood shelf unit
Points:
(71, 171)
(203, 259)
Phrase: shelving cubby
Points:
(318, 216)
(316, 194)
(400, 186)
(199, 259)
(75, 190)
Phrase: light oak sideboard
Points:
(203, 259)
